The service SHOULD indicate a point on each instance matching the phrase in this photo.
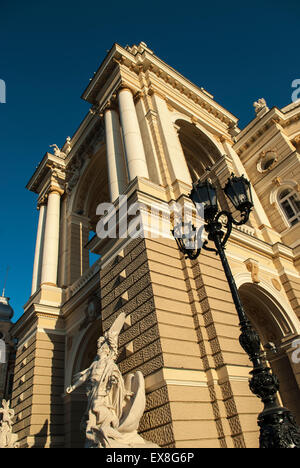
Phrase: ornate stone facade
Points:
(149, 135)
(7, 348)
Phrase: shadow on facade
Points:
(269, 321)
(52, 388)
(42, 436)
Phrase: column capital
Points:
(125, 87)
(153, 91)
(95, 110)
(55, 189)
(110, 106)
(226, 139)
(138, 95)
(42, 201)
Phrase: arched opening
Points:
(199, 150)
(76, 402)
(202, 156)
(90, 190)
(267, 317)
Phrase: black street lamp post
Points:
(278, 428)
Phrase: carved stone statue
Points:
(114, 407)
(260, 105)
(68, 145)
(7, 438)
(57, 151)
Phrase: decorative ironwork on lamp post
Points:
(278, 428)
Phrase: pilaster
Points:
(177, 165)
(38, 381)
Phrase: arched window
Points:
(290, 203)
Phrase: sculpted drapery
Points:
(114, 407)
(7, 438)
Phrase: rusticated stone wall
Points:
(38, 388)
(182, 333)
(126, 286)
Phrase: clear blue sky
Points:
(49, 50)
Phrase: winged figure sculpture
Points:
(114, 406)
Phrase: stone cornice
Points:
(103, 71)
(81, 289)
(296, 252)
(258, 126)
(49, 166)
(199, 111)
(31, 315)
(121, 68)
(283, 251)
(139, 60)
(246, 139)
(185, 89)
(86, 136)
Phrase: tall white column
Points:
(177, 164)
(38, 256)
(51, 240)
(135, 154)
(117, 178)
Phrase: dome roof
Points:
(6, 311)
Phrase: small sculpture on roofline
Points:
(114, 407)
(57, 151)
(260, 105)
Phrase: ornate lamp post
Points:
(278, 428)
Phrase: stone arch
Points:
(275, 325)
(81, 219)
(92, 186)
(200, 149)
(281, 307)
(204, 127)
(84, 351)
(87, 347)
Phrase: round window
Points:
(267, 161)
